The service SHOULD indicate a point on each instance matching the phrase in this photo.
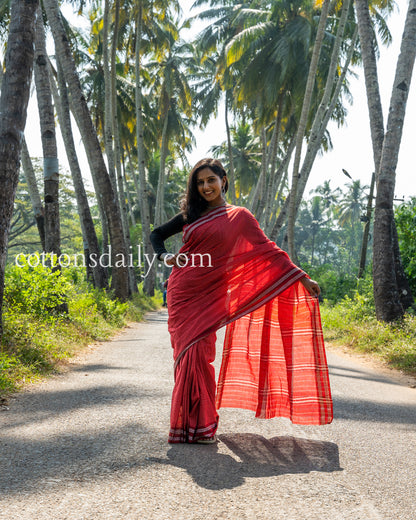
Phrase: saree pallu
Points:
(274, 360)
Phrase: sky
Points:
(351, 143)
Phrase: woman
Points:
(229, 273)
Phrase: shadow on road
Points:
(41, 407)
(367, 410)
(253, 456)
(27, 465)
(351, 373)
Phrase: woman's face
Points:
(210, 186)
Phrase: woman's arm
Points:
(311, 286)
(163, 232)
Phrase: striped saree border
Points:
(222, 210)
(191, 435)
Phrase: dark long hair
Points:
(192, 205)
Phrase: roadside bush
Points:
(37, 334)
(352, 323)
(37, 291)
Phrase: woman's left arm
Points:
(311, 286)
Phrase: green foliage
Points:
(329, 229)
(352, 323)
(405, 216)
(35, 290)
(36, 337)
(24, 235)
(334, 285)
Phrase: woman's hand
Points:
(311, 286)
(179, 260)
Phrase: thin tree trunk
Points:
(266, 203)
(274, 229)
(316, 136)
(375, 109)
(257, 208)
(13, 109)
(49, 146)
(32, 185)
(257, 190)
(91, 247)
(33, 190)
(160, 193)
(366, 233)
(117, 147)
(108, 128)
(132, 172)
(149, 281)
(302, 125)
(386, 294)
(120, 281)
(231, 173)
(129, 201)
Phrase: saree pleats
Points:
(193, 412)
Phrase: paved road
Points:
(91, 444)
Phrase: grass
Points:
(36, 340)
(351, 323)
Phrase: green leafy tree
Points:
(405, 217)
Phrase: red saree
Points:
(274, 360)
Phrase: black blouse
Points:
(163, 232)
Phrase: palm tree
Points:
(328, 195)
(49, 146)
(387, 297)
(91, 247)
(13, 106)
(302, 124)
(149, 282)
(349, 211)
(174, 100)
(246, 156)
(32, 187)
(391, 289)
(120, 281)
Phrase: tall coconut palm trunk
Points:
(91, 246)
(265, 206)
(317, 133)
(149, 281)
(368, 54)
(386, 294)
(160, 193)
(321, 120)
(32, 186)
(48, 137)
(120, 281)
(400, 296)
(108, 129)
(14, 99)
(231, 173)
(302, 124)
(123, 195)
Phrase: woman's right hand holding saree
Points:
(177, 260)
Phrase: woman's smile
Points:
(210, 187)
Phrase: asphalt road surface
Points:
(91, 443)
